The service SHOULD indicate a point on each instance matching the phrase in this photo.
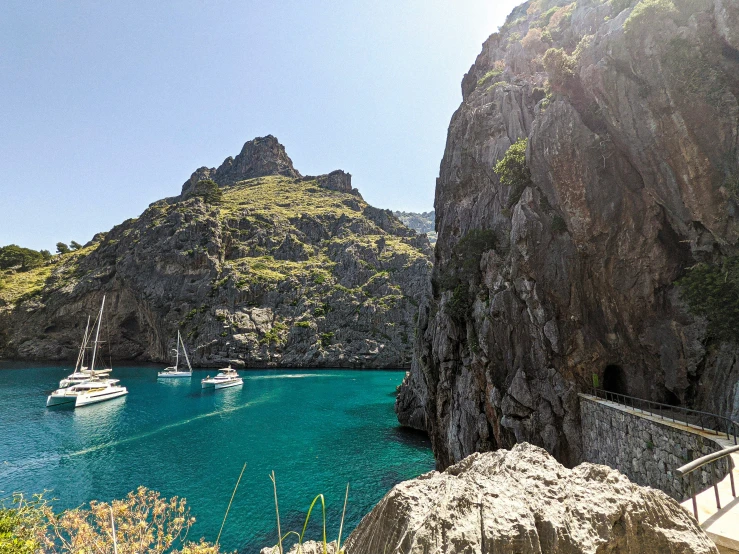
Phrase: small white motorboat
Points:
(90, 392)
(174, 371)
(227, 377)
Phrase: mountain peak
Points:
(259, 157)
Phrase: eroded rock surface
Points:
(308, 547)
(632, 133)
(523, 502)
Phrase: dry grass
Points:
(143, 522)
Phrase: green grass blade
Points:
(343, 514)
(230, 502)
(277, 510)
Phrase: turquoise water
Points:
(318, 430)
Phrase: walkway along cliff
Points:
(255, 264)
(586, 211)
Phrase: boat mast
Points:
(81, 356)
(184, 351)
(177, 359)
(97, 336)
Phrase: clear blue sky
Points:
(106, 107)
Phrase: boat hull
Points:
(227, 385)
(86, 400)
(52, 400)
(172, 374)
(223, 385)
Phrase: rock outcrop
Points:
(277, 271)
(565, 273)
(258, 158)
(338, 180)
(523, 502)
(308, 547)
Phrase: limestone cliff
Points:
(282, 270)
(559, 268)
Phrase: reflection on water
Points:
(179, 439)
(95, 417)
(174, 382)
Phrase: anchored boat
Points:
(227, 377)
(82, 373)
(90, 392)
(94, 389)
(174, 370)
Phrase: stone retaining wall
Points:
(646, 451)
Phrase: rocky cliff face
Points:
(564, 271)
(283, 270)
(524, 502)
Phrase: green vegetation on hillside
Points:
(513, 170)
(495, 72)
(208, 190)
(16, 285)
(559, 66)
(647, 12)
(712, 291)
(283, 198)
(22, 259)
(462, 273)
(696, 71)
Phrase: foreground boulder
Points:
(310, 547)
(523, 501)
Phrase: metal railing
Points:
(707, 422)
(688, 470)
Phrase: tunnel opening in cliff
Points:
(671, 398)
(614, 379)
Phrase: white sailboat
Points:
(93, 390)
(227, 377)
(174, 371)
(81, 373)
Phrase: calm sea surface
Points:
(318, 430)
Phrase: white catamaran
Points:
(174, 371)
(81, 373)
(227, 377)
(93, 390)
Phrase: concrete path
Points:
(721, 525)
